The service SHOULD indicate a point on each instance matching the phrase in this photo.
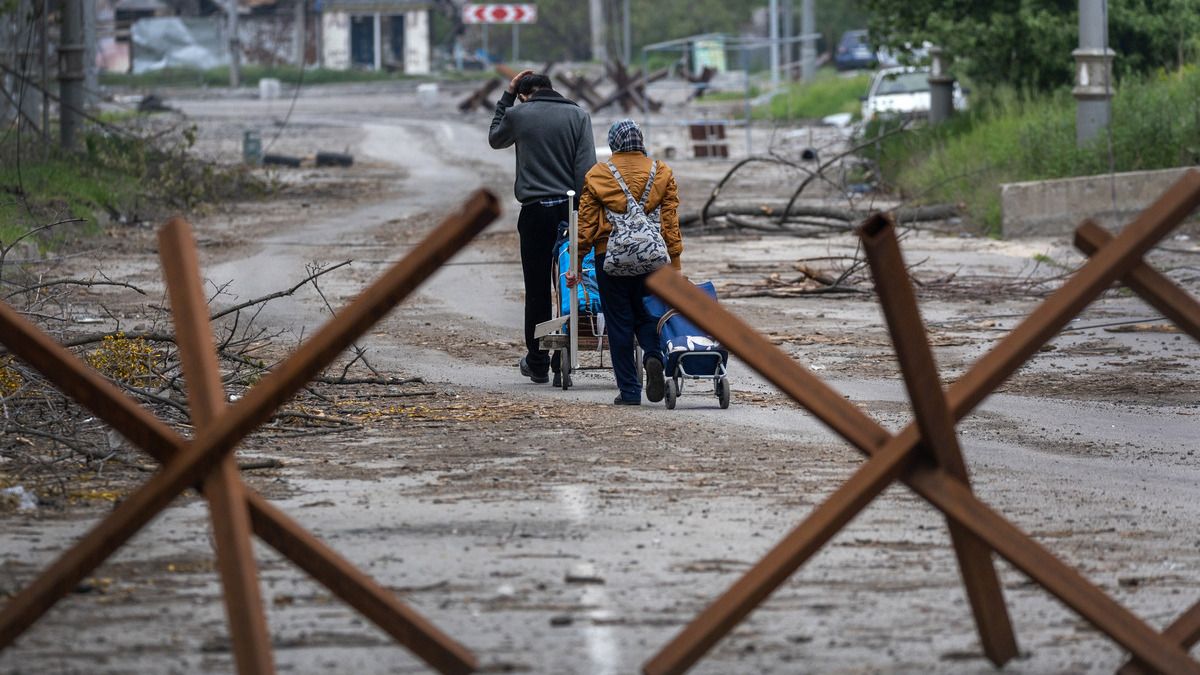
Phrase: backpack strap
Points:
(621, 181)
(649, 183)
(625, 188)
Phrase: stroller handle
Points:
(573, 247)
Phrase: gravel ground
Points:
(550, 532)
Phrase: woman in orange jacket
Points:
(624, 314)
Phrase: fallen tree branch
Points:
(774, 208)
(278, 294)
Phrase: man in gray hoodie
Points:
(555, 149)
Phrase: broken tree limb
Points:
(853, 150)
(775, 209)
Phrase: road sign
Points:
(499, 13)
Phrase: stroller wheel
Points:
(723, 393)
(671, 393)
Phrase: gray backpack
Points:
(635, 245)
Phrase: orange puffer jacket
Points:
(600, 189)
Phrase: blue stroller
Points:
(690, 353)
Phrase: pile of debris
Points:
(628, 90)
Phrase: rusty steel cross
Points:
(207, 460)
(926, 456)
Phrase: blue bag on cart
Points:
(684, 345)
(589, 290)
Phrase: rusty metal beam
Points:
(248, 631)
(1184, 311)
(920, 373)
(964, 508)
(748, 592)
(1151, 285)
(844, 418)
(274, 527)
(199, 458)
(1048, 318)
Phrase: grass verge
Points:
(1155, 124)
(125, 177)
(828, 94)
(251, 74)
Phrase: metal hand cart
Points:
(576, 330)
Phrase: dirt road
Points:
(552, 533)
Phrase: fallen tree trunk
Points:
(774, 209)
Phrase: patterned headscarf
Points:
(626, 136)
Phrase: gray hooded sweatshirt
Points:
(555, 147)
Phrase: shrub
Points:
(129, 360)
(1016, 136)
(828, 94)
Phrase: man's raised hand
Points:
(512, 86)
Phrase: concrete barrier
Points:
(1055, 207)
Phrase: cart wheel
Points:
(563, 378)
(723, 393)
(672, 392)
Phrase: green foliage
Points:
(828, 94)
(116, 174)
(1027, 43)
(165, 170)
(250, 75)
(562, 32)
(35, 192)
(1020, 136)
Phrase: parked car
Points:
(904, 92)
(854, 52)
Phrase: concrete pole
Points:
(299, 33)
(773, 23)
(235, 45)
(596, 12)
(808, 46)
(377, 40)
(626, 33)
(5, 112)
(941, 87)
(787, 29)
(70, 76)
(516, 47)
(22, 59)
(91, 72)
(1093, 72)
(44, 48)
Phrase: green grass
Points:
(1015, 137)
(115, 173)
(729, 94)
(828, 94)
(35, 193)
(219, 77)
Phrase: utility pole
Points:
(787, 30)
(773, 24)
(808, 41)
(626, 33)
(1093, 72)
(91, 72)
(941, 87)
(599, 50)
(300, 33)
(235, 45)
(70, 73)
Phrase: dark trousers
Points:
(625, 317)
(538, 227)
